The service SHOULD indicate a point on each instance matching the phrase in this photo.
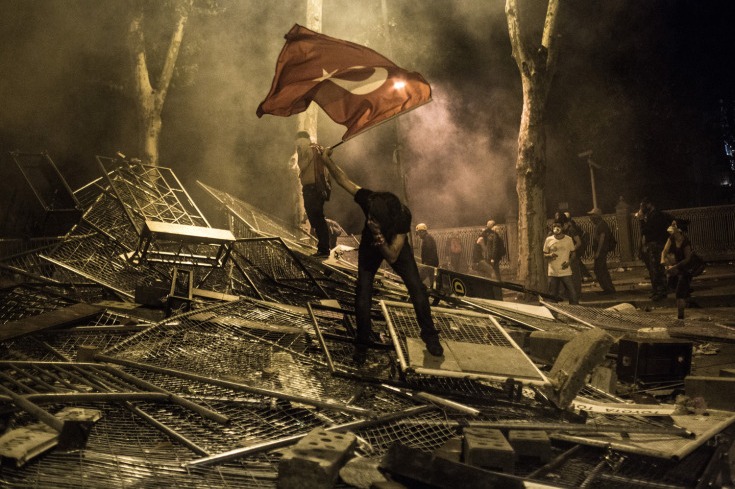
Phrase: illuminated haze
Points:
(66, 78)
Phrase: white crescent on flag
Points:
(357, 87)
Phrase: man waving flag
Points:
(354, 85)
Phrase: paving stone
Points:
(576, 360)
(488, 448)
(361, 472)
(451, 450)
(530, 443)
(314, 462)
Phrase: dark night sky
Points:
(638, 82)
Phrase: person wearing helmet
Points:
(429, 255)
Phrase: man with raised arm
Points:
(384, 237)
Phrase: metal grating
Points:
(250, 222)
(460, 331)
(97, 258)
(630, 321)
(150, 193)
(276, 271)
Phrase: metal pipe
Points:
(290, 440)
(235, 386)
(201, 410)
(35, 411)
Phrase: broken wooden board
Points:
(66, 316)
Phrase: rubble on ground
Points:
(144, 347)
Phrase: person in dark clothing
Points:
(601, 239)
(675, 257)
(488, 251)
(314, 188)
(580, 251)
(653, 237)
(384, 237)
(429, 255)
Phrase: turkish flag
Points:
(354, 85)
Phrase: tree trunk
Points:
(536, 63)
(530, 184)
(149, 100)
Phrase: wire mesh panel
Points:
(101, 260)
(29, 265)
(106, 331)
(105, 213)
(630, 321)
(276, 271)
(250, 222)
(150, 193)
(247, 341)
(476, 346)
(23, 301)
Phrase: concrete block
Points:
(530, 443)
(451, 450)
(545, 346)
(605, 378)
(717, 392)
(314, 462)
(488, 448)
(576, 360)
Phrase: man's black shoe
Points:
(434, 346)
(321, 254)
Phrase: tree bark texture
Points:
(149, 100)
(536, 62)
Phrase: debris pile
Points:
(145, 348)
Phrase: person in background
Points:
(559, 253)
(429, 255)
(601, 245)
(585, 238)
(314, 188)
(485, 252)
(653, 237)
(453, 252)
(575, 261)
(384, 237)
(676, 257)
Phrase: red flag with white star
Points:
(354, 85)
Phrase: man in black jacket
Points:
(384, 237)
(653, 238)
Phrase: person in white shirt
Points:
(559, 252)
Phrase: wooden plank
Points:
(183, 232)
(66, 316)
